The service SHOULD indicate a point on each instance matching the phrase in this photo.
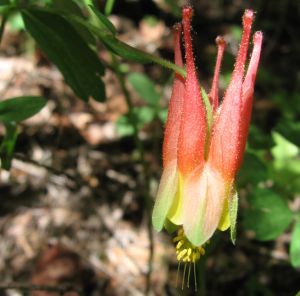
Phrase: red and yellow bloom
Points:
(204, 145)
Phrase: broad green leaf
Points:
(258, 139)
(269, 215)
(20, 108)
(283, 149)
(233, 210)
(64, 46)
(16, 22)
(142, 116)
(104, 20)
(68, 6)
(8, 145)
(123, 126)
(286, 174)
(4, 2)
(298, 294)
(290, 130)
(163, 114)
(295, 245)
(252, 171)
(145, 88)
(286, 164)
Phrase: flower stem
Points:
(3, 22)
(201, 286)
(145, 188)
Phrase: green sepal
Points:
(165, 196)
(209, 120)
(233, 210)
(170, 227)
(207, 105)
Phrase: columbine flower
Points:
(204, 145)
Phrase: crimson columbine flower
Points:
(204, 145)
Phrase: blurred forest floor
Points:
(70, 207)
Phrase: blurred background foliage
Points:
(84, 44)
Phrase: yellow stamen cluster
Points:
(185, 250)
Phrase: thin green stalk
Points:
(3, 22)
(108, 7)
(145, 173)
(201, 282)
(126, 51)
(201, 265)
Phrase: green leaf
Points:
(298, 294)
(252, 171)
(8, 145)
(290, 130)
(123, 126)
(143, 116)
(286, 165)
(133, 54)
(4, 2)
(104, 21)
(285, 154)
(67, 6)
(20, 108)
(269, 215)
(145, 88)
(295, 245)
(284, 149)
(258, 139)
(169, 226)
(16, 22)
(64, 46)
(233, 210)
(163, 114)
(128, 52)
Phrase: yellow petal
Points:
(224, 223)
(175, 212)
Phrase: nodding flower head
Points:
(204, 144)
